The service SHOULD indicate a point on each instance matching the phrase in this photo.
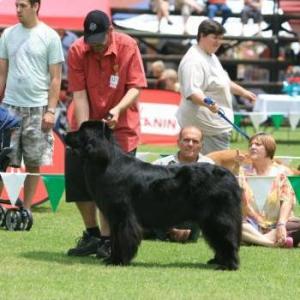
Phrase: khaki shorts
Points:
(30, 142)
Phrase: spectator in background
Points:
(168, 81)
(200, 76)
(61, 121)
(252, 9)
(216, 6)
(30, 76)
(157, 68)
(161, 8)
(67, 39)
(189, 143)
(274, 224)
(187, 7)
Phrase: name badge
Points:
(113, 82)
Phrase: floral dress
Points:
(281, 191)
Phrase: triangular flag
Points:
(238, 119)
(257, 119)
(260, 186)
(295, 182)
(55, 185)
(13, 183)
(294, 120)
(277, 120)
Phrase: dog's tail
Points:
(126, 236)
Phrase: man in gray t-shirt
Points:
(30, 76)
(189, 143)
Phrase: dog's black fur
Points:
(131, 193)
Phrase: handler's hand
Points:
(250, 96)
(214, 108)
(112, 118)
(211, 104)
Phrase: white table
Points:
(272, 104)
(277, 104)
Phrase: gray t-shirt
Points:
(29, 52)
(201, 72)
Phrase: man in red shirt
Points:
(105, 73)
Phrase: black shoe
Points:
(86, 245)
(104, 249)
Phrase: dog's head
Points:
(93, 140)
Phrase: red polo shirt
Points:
(94, 72)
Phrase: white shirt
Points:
(173, 159)
(201, 72)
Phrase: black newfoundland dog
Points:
(134, 194)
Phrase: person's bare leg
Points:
(251, 235)
(104, 226)
(88, 213)
(271, 235)
(30, 185)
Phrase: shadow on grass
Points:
(173, 265)
(62, 258)
(59, 257)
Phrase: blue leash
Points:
(221, 113)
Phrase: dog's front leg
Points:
(126, 235)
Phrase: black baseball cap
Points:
(96, 25)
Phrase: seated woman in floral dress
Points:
(275, 224)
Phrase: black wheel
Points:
(27, 219)
(13, 219)
(2, 215)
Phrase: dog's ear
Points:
(94, 142)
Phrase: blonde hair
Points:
(267, 141)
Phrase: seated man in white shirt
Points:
(189, 144)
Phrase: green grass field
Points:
(33, 265)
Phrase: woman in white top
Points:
(201, 75)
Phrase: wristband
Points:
(280, 224)
(51, 111)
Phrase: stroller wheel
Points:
(13, 219)
(2, 215)
(27, 219)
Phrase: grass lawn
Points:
(33, 264)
